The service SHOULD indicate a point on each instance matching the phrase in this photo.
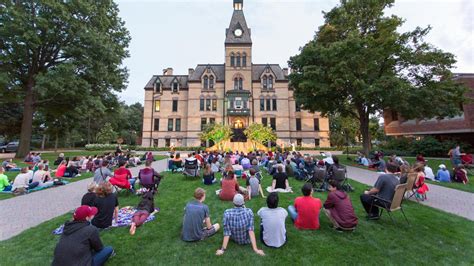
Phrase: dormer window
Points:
(157, 86)
(175, 87)
(270, 82)
(206, 83)
(264, 82)
(211, 82)
(267, 82)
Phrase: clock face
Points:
(238, 32)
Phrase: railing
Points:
(237, 112)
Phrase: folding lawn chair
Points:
(395, 205)
(340, 175)
(191, 167)
(410, 186)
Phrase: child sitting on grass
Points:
(253, 185)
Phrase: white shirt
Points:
(429, 173)
(328, 160)
(273, 221)
(245, 161)
(21, 180)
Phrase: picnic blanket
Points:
(37, 188)
(280, 190)
(124, 219)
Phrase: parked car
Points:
(9, 147)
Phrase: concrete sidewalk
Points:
(446, 199)
(21, 213)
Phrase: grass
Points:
(433, 163)
(433, 236)
(51, 157)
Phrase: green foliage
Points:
(218, 133)
(358, 65)
(258, 133)
(111, 147)
(428, 146)
(343, 129)
(107, 134)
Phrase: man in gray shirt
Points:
(195, 215)
(103, 173)
(272, 228)
(383, 188)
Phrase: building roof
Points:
(167, 80)
(218, 70)
(258, 69)
(238, 22)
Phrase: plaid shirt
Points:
(238, 222)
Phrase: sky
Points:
(181, 34)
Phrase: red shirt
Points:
(229, 189)
(61, 170)
(123, 171)
(308, 212)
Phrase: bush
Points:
(428, 146)
(110, 147)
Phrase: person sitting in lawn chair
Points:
(175, 163)
(123, 177)
(191, 167)
(149, 178)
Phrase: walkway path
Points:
(21, 213)
(446, 199)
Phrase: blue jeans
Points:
(7, 188)
(99, 258)
(292, 212)
(132, 183)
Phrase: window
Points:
(206, 82)
(211, 82)
(268, 104)
(316, 142)
(157, 86)
(214, 104)
(241, 84)
(175, 86)
(167, 142)
(273, 123)
(201, 104)
(298, 124)
(212, 120)
(244, 60)
(238, 60)
(170, 124)
(395, 115)
(175, 105)
(264, 82)
(297, 107)
(155, 142)
(232, 60)
(264, 121)
(208, 104)
(157, 105)
(236, 84)
(262, 104)
(298, 142)
(274, 106)
(316, 124)
(177, 126)
(203, 123)
(270, 82)
(156, 125)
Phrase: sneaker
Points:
(113, 254)
(78, 175)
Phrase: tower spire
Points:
(238, 4)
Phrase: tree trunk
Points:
(89, 130)
(43, 142)
(27, 122)
(56, 142)
(364, 130)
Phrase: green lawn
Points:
(433, 237)
(52, 157)
(433, 163)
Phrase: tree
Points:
(218, 133)
(49, 49)
(107, 134)
(358, 65)
(343, 130)
(258, 133)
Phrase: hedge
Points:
(108, 147)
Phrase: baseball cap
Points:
(442, 166)
(238, 200)
(83, 212)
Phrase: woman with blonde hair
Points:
(107, 204)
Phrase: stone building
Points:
(460, 127)
(237, 92)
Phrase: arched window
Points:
(236, 84)
(211, 82)
(158, 86)
(206, 82)
(264, 82)
(244, 60)
(232, 60)
(241, 87)
(270, 82)
(238, 60)
(175, 86)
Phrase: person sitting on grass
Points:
(107, 204)
(59, 159)
(383, 188)
(195, 213)
(443, 174)
(230, 187)
(253, 185)
(364, 161)
(22, 182)
(61, 170)
(8, 165)
(280, 182)
(272, 228)
(36, 157)
(144, 209)
(80, 243)
(42, 177)
(28, 158)
(238, 225)
(460, 175)
(429, 172)
(420, 185)
(103, 173)
(338, 208)
(4, 182)
(305, 212)
(208, 176)
(89, 198)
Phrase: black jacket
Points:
(78, 241)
